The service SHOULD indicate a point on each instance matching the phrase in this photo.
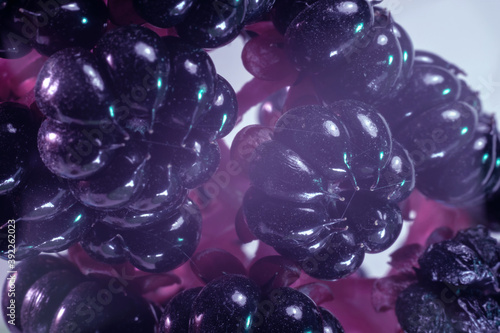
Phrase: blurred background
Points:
(462, 31)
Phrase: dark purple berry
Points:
(319, 36)
(72, 88)
(161, 13)
(213, 23)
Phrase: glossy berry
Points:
(118, 184)
(257, 9)
(282, 173)
(225, 305)
(368, 71)
(176, 314)
(295, 313)
(17, 132)
(160, 246)
(213, 23)
(53, 296)
(282, 223)
(330, 323)
(284, 11)
(397, 178)
(192, 78)
(370, 139)
(429, 86)
(53, 234)
(43, 196)
(72, 88)
(466, 172)
(75, 151)
(137, 62)
(454, 292)
(375, 223)
(408, 52)
(429, 58)
(195, 157)
(163, 14)
(437, 133)
(79, 23)
(30, 270)
(320, 35)
(163, 190)
(335, 257)
(220, 117)
(121, 311)
(316, 126)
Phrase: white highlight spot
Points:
(397, 164)
(190, 67)
(382, 40)
(239, 298)
(430, 79)
(368, 125)
(145, 51)
(347, 7)
(294, 312)
(96, 79)
(450, 115)
(331, 128)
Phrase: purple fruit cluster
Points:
(129, 129)
(457, 288)
(325, 188)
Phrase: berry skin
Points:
(164, 243)
(397, 178)
(375, 223)
(457, 288)
(294, 313)
(75, 151)
(282, 173)
(192, 78)
(79, 23)
(282, 223)
(53, 296)
(72, 88)
(321, 34)
(438, 133)
(330, 323)
(213, 23)
(175, 318)
(467, 173)
(225, 305)
(368, 71)
(257, 9)
(137, 62)
(370, 139)
(284, 11)
(408, 52)
(320, 128)
(219, 119)
(118, 184)
(161, 13)
(429, 86)
(17, 129)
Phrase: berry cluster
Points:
(233, 303)
(130, 127)
(457, 288)
(53, 296)
(326, 187)
(125, 124)
(49, 26)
